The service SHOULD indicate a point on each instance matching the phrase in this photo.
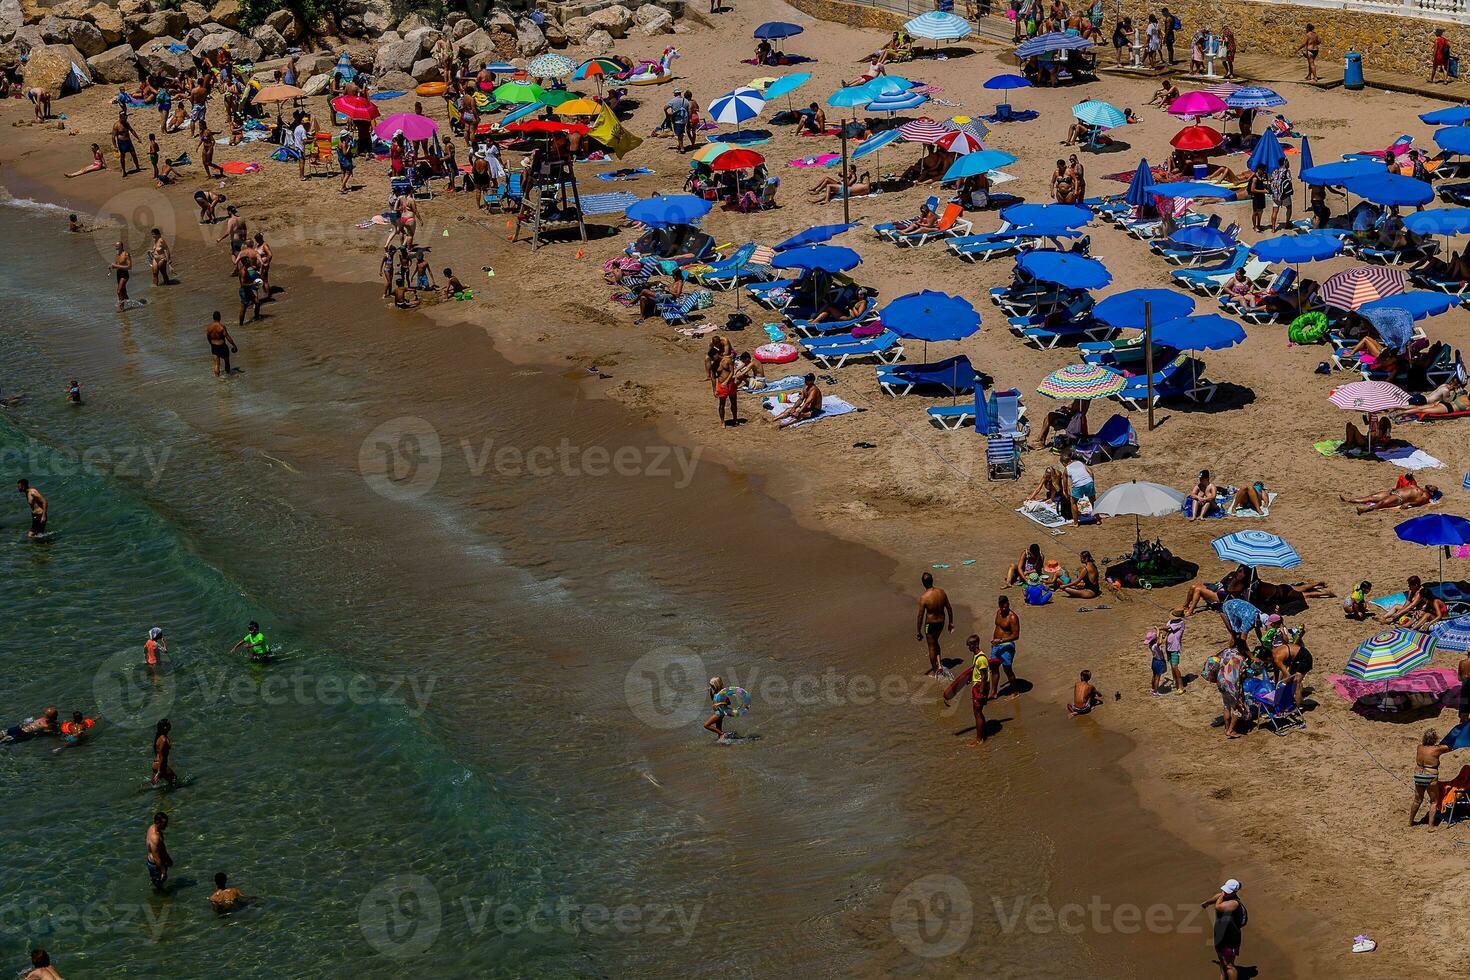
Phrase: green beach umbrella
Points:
(554, 97)
(518, 92)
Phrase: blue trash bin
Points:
(1352, 71)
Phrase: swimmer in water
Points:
(256, 648)
(41, 968)
(74, 224)
(224, 899)
(74, 392)
(38, 505)
(155, 648)
(72, 732)
(158, 859)
(36, 727)
(162, 746)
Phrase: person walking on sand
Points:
(935, 617)
(158, 858)
(979, 677)
(221, 344)
(37, 503)
(206, 152)
(1426, 776)
(726, 388)
(1003, 641)
(122, 265)
(162, 746)
(1230, 919)
(1439, 57)
(1310, 47)
(123, 135)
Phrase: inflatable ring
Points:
(432, 88)
(776, 353)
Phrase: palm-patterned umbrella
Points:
(550, 66)
(1389, 654)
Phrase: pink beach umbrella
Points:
(414, 126)
(1351, 288)
(1196, 104)
(1369, 396)
(924, 130)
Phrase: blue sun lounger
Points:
(730, 272)
(809, 329)
(1116, 439)
(885, 230)
(885, 347)
(1177, 378)
(951, 376)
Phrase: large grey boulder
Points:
(394, 81)
(164, 23)
(396, 56)
(115, 66)
(426, 70)
(529, 38)
(653, 20)
(282, 21)
(426, 36)
(577, 29)
(600, 41)
(272, 44)
(377, 17)
(615, 20)
(27, 38)
(317, 84)
(108, 20)
(83, 36)
(241, 47)
(155, 57)
(475, 43)
(462, 27)
(226, 12)
(197, 13)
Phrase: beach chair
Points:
(1275, 703)
(730, 272)
(769, 292)
(676, 310)
(1033, 298)
(1002, 458)
(1174, 379)
(886, 229)
(1064, 332)
(1454, 287)
(956, 417)
(951, 223)
(1006, 416)
(1211, 280)
(1395, 256)
(885, 347)
(807, 328)
(1116, 439)
(951, 376)
(1258, 314)
(1455, 193)
(508, 194)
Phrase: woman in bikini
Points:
(829, 182)
(1450, 398)
(1030, 561)
(94, 166)
(1426, 776)
(926, 221)
(1063, 186)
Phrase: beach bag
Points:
(1211, 670)
(1453, 68)
(1309, 328)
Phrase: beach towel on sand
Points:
(831, 406)
(1043, 514)
(1406, 456)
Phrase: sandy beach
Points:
(1312, 823)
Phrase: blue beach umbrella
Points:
(1100, 114)
(892, 102)
(1055, 41)
(930, 315)
(737, 107)
(1047, 215)
(1254, 97)
(776, 30)
(1191, 188)
(662, 210)
(516, 115)
(1439, 221)
(1304, 161)
(1390, 189)
(1341, 172)
(852, 97)
(1141, 186)
(1453, 139)
(1202, 238)
(873, 143)
(938, 25)
(889, 84)
(1295, 249)
(814, 236)
(1455, 115)
(1454, 634)
(1418, 304)
(1001, 83)
(1256, 549)
(1065, 269)
(826, 258)
(1394, 325)
(1209, 331)
(1125, 310)
(1268, 151)
(1435, 531)
(979, 162)
(786, 84)
(499, 67)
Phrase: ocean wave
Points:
(26, 204)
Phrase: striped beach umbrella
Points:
(1099, 114)
(924, 130)
(974, 127)
(593, 67)
(1351, 288)
(1223, 89)
(1389, 654)
(1369, 396)
(937, 25)
(960, 142)
(1254, 97)
(737, 106)
(1084, 381)
(898, 101)
(1256, 549)
(550, 66)
(708, 152)
(1452, 634)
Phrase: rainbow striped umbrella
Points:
(1351, 288)
(924, 130)
(593, 67)
(1389, 654)
(708, 152)
(1085, 381)
(1369, 396)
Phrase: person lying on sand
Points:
(96, 164)
(1356, 441)
(1448, 399)
(808, 406)
(1399, 498)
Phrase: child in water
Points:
(729, 702)
(73, 731)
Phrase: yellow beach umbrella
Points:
(578, 107)
(707, 154)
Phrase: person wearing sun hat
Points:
(1230, 918)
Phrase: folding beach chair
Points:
(1002, 459)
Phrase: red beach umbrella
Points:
(1196, 139)
(736, 160)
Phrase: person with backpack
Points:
(1171, 24)
(1440, 57)
(678, 110)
